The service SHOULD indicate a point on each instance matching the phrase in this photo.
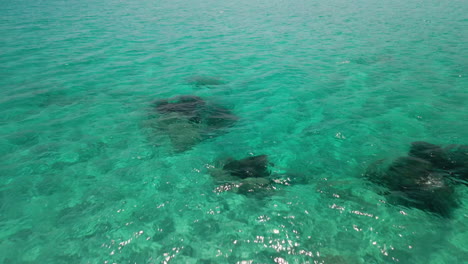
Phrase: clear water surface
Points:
(324, 88)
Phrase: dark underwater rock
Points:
(189, 119)
(251, 167)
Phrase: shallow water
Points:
(324, 88)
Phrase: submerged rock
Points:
(189, 119)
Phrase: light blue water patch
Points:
(324, 88)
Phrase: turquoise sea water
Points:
(324, 88)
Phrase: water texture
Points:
(324, 88)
